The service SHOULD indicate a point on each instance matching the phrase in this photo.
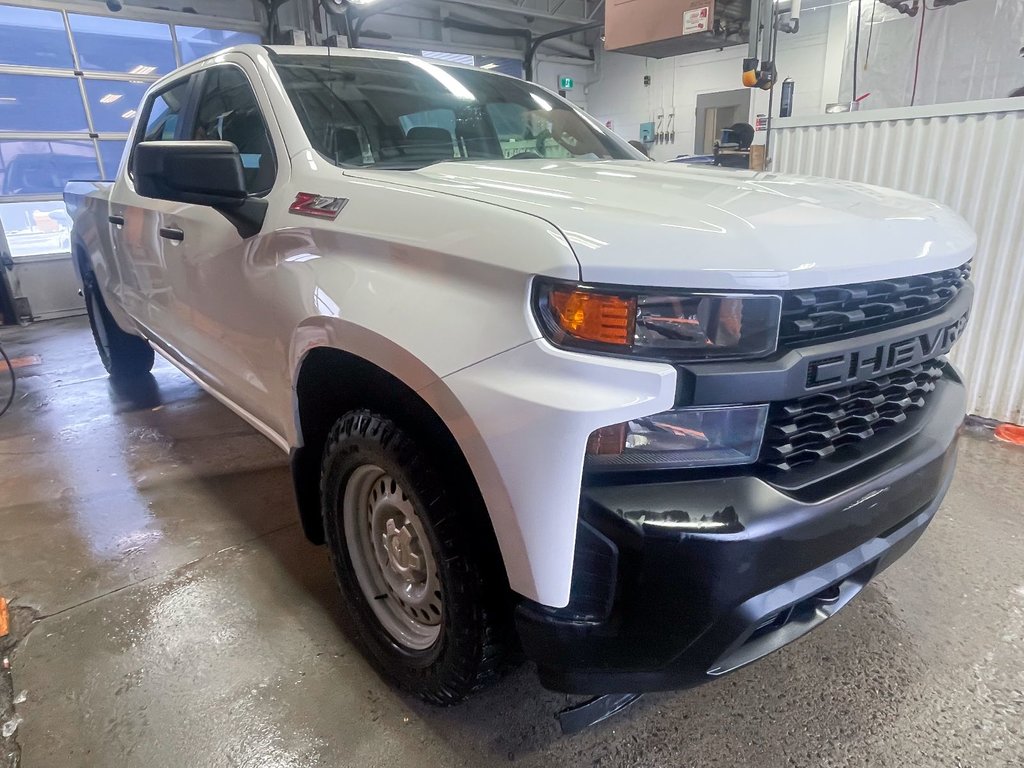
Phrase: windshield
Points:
(410, 113)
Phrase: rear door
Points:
(135, 221)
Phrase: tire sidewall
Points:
(366, 439)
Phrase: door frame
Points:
(739, 97)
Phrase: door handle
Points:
(172, 234)
(118, 220)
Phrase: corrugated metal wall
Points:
(973, 161)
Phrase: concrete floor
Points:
(168, 612)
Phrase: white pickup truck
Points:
(645, 422)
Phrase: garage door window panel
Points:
(38, 103)
(112, 104)
(122, 45)
(33, 37)
(111, 151)
(228, 111)
(44, 167)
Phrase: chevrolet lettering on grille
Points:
(868, 362)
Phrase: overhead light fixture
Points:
(492, 65)
(128, 115)
(110, 98)
(8, 100)
(142, 69)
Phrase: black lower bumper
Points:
(678, 582)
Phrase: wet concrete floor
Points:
(170, 613)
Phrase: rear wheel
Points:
(418, 581)
(123, 354)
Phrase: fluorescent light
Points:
(110, 98)
(129, 114)
(492, 65)
(8, 100)
(142, 69)
(456, 88)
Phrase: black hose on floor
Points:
(14, 380)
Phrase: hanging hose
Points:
(14, 379)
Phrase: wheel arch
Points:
(373, 372)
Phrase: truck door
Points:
(220, 287)
(135, 222)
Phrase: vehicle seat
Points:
(429, 143)
(345, 146)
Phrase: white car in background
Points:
(649, 422)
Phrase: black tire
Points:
(470, 648)
(123, 354)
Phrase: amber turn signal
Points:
(604, 318)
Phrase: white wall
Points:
(969, 51)
(620, 96)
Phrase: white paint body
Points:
(427, 274)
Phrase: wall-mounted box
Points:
(660, 28)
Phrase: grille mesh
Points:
(817, 314)
(813, 427)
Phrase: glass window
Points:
(111, 151)
(228, 111)
(44, 167)
(39, 103)
(164, 111)
(122, 45)
(33, 37)
(34, 229)
(112, 104)
(195, 42)
(414, 113)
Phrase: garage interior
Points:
(159, 604)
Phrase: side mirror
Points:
(194, 172)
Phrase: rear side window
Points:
(228, 111)
(164, 111)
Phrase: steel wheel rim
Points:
(391, 556)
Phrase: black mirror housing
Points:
(193, 172)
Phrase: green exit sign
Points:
(565, 83)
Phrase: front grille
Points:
(817, 314)
(813, 427)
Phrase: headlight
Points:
(686, 437)
(681, 325)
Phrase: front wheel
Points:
(122, 354)
(418, 590)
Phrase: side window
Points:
(163, 113)
(228, 111)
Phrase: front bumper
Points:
(677, 582)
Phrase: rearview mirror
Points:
(195, 172)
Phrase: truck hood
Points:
(641, 223)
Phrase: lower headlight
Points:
(686, 437)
